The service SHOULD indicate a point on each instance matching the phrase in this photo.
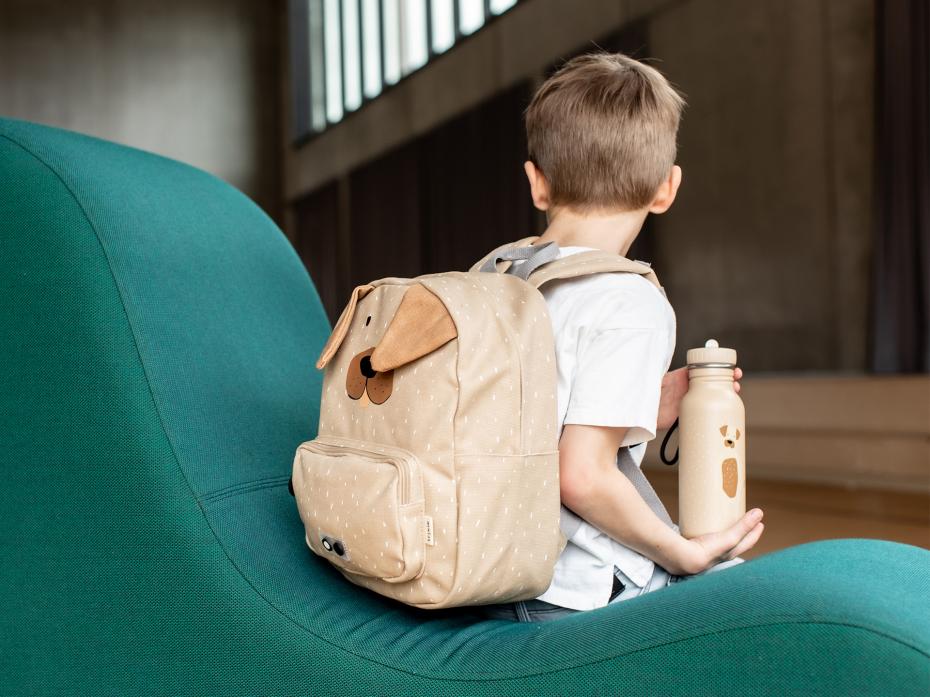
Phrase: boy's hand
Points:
(674, 386)
(702, 552)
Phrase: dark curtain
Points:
(385, 218)
(317, 228)
(900, 326)
(474, 192)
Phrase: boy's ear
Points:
(665, 195)
(539, 187)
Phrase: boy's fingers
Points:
(741, 528)
(747, 542)
(719, 545)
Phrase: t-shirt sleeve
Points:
(618, 380)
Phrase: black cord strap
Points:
(668, 435)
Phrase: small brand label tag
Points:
(428, 521)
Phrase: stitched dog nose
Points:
(365, 367)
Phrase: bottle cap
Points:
(712, 355)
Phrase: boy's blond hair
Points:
(602, 130)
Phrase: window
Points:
(443, 24)
(352, 54)
(371, 48)
(332, 42)
(390, 28)
(471, 15)
(344, 53)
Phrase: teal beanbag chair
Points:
(157, 341)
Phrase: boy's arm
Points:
(593, 487)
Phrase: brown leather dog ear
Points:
(421, 325)
(342, 325)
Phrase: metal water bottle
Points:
(712, 444)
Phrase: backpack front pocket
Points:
(362, 506)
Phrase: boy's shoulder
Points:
(610, 300)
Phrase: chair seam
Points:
(244, 487)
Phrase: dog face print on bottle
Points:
(730, 467)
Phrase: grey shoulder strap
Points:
(594, 261)
(492, 260)
(546, 255)
(533, 255)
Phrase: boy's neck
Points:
(613, 232)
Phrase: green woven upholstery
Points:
(157, 341)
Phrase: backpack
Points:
(434, 477)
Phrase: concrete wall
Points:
(768, 244)
(195, 80)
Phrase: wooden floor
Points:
(797, 512)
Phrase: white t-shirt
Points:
(614, 339)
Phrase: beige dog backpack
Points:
(434, 477)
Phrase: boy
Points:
(601, 138)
